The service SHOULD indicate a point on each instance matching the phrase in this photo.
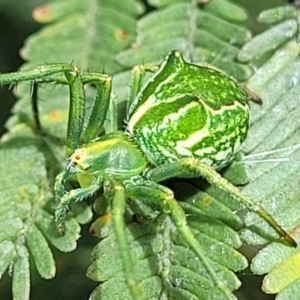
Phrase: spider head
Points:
(78, 161)
(111, 155)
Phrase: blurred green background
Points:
(16, 24)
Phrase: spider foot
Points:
(60, 215)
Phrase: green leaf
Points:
(226, 10)
(269, 40)
(7, 251)
(282, 265)
(23, 193)
(274, 134)
(41, 253)
(90, 32)
(207, 34)
(273, 151)
(64, 243)
(21, 275)
(277, 14)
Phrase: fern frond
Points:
(211, 33)
(90, 32)
(274, 177)
(27, 225)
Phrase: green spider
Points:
(186, 120)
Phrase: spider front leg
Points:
(59, 73)
(137, 79)
(152, 192)
(75, 137)
(77, 133)
(69, 75)
(64, 199)
(197, 168)
(100, 104)
(115, 193)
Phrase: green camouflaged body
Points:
(187, 110)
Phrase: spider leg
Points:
(58, 73)
(35, 109)
(152, 192)
(100, 105)
(75, 195)
(46, 73)
(116, 193)
(76, 111)
(137, 79)
(69, 75)
(197, 168)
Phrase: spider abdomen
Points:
(186, 110)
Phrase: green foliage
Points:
(207, 34)
(276, 127)
(113, 36)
